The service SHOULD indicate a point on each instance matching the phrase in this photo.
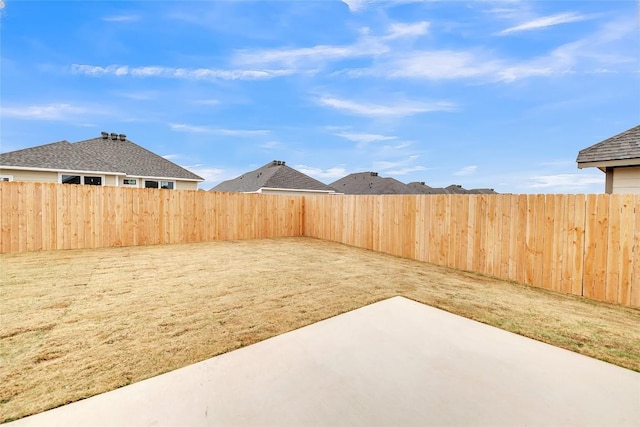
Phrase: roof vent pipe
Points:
(122, 137)
(105, 135)
(114, 136)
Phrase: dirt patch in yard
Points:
(81, 322)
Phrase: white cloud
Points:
(1, 4)
(467, 170)
(334, 172)
(406, 170)
(359, 5)
(356, 5)
(433, 65)
(121, 18)
(308, 56)
(545, 21)
(210, 175)
(171, 156)
(366, 45)
(398, 109)
(365, 138)
(62, 112)
(182, 127)
(177, 73)
(399, 30)
(566, 181)
(399, 167)
(271, 145)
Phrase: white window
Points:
(169, 185)
(4, 178)
(133, 182)
(81, 179)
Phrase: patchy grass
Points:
(81, 322)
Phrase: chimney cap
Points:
(114, 136)
(122, 137)
(105, 135)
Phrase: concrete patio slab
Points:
(393, 363)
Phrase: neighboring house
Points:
(110, 159)
(619, 158)
(422, 188)
(274, 178)
(370, 183)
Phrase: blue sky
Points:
(498, 94)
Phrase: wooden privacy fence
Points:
(38, 216)
(585, 245)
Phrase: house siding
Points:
(186, 185)
(109, 180)
(626, 180)
(30, 176)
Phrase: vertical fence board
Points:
(504, 212)
(560, 243)
(549, 257)
(624, 267)
(491, 233)
(635, 275)
(601, 238)
(614, 250)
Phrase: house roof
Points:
(422, 188)
(58, 155)
(370, 183)
(625, 145)
(114, 154)
(275, 174)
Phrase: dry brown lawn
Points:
(81, 322)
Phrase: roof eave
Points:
(166, 178)
(294, 189)
(29, 168)
(609, 163)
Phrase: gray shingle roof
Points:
(422, 188)
(133, 159)
(370, 183)
(275, 174)
(625, 145)
(97, 155)
(58, 155)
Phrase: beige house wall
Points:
(626, 180)
(30, 176)
(186, 185)
(108, 180)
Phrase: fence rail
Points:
(586, 245)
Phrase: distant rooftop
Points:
(111, 152)
(370, 183)
(275, 174)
